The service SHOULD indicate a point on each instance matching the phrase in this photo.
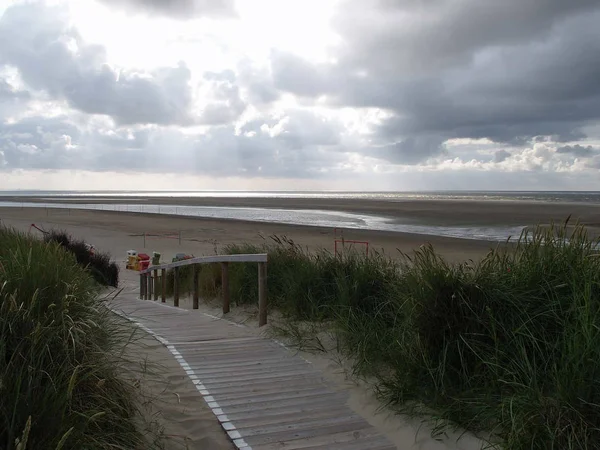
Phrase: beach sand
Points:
(117, 232)
(429, 212)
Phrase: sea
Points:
(320, 218)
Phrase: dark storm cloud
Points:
(52, 57)
(413, 150)
(415, 35)
(578, 150)
(501, 155)
(178, 9)
(507, 71)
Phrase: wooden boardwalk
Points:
(264, 395)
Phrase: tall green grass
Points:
(60, 380)
(509, 345)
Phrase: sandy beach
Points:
(117, 232)
(433, 212)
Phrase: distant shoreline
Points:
(447, 212)
(493, 221)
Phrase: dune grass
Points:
(98, 264)
(61, 386)
(509, 346)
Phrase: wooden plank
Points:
(263, 384)
(232, 351)
(261, 395)
(222, 341)
(246, 369)
(259, 399)
(211, 369)
(284, 407)
(352, 421)
(289, 403)
(303, 431)
(371, 442)
(198, 363)
(204, 350)
(268, 376)
(306, 441)
(251, 419)
(287, 385)
(341, 441)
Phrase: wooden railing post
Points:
(196, 269)
(225, 286)
(262, 294)
(141, 286)
(151, 284)
(163, 282)
(147, 286)
(155, 284)
(176, 286)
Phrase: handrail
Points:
(258, 257)
(149, 280)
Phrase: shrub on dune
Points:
(59, 380)
(98, 264)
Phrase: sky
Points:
(359, 95)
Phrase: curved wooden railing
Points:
(151, 282)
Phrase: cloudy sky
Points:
(300, 94)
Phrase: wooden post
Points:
(141, 286)
(195, 268)
(155, 284)
(147, 288)
(163, 282)
(151, 283)
(176, 286)
(262, 294)
(225, 286)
